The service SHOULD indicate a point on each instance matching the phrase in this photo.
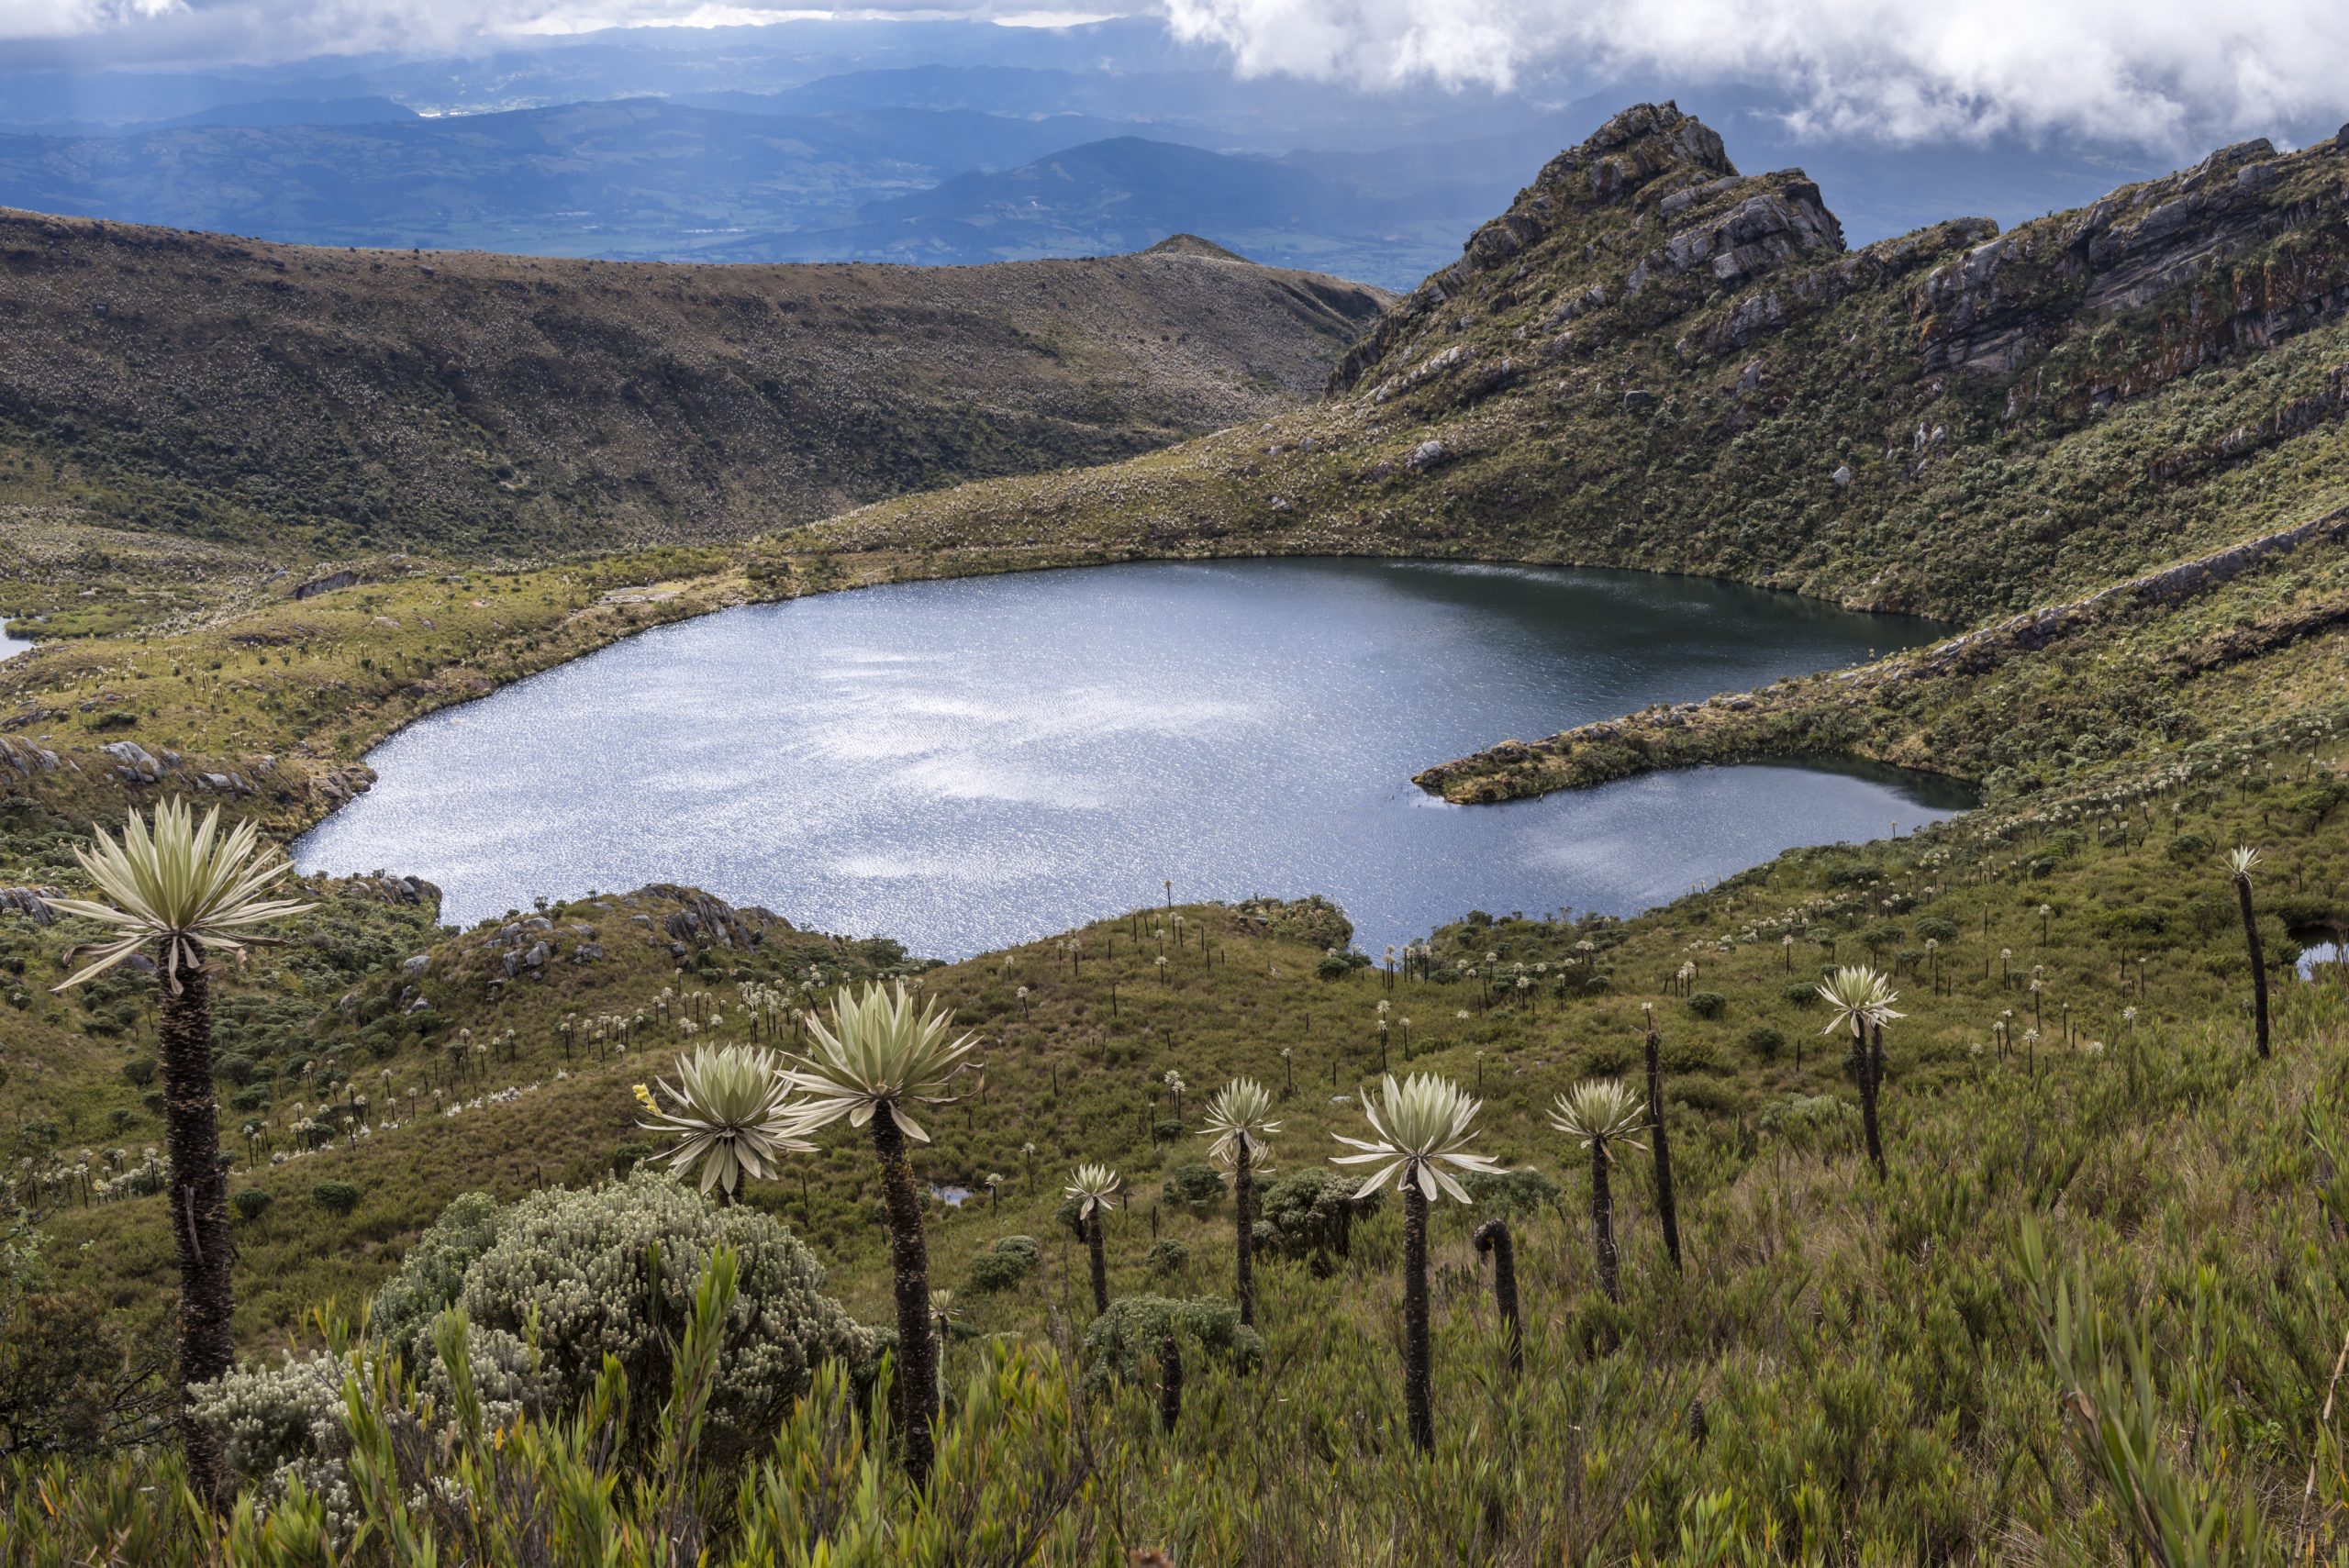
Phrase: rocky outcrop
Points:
(24, 758)
(29, 903)
(1645, 145)
(2207, 231)
(702, 918)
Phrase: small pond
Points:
(966, 765)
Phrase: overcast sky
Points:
(2152, 72)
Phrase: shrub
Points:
(1117, 1342)
(1765, 1042)
(1937, 928)
(276, 1425)
(574, 1274)
(1309, 1211)
(1801, 993)
(255, 1097)
(1708, 1004)
(1511, 1194)
(139, 1071)
(625, 1157)
(336, 1197)
(1196, 1185)
(1812, 1122)
(433, 1273)
(1166, 1256)
(252, 1202)
(1005, 1264)
(235, 1069)
(1608, 1059)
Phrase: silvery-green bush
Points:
(548, 1287)
(282, 1423)
(572, 1274)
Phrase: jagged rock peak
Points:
(1651, 192)
(1631, 150)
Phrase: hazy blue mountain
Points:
(1120, 194)
(637, 177)
(368, 109)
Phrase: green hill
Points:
(293, 400)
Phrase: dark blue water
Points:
(971, 764)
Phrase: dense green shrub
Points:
(1194, 1184)
(1119, 1342)
(1511, 1195)
(573, 1276)
(1708, 1004)
(252, 1202)
(1765, 1042)
(1166, 1256)
(139, 1071)
(336, 1197)
(1307, 1211)
(1003, 1265)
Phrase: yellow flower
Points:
(644, 1098)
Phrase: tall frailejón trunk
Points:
(1667, 1210)
(1869, 1063)
(1243, 1209)
(1096, 1256)
(199, 1204)
(1170, 1381)
(1492, 1237)
(2259, 964)
(1602, 1222)
(909, 1262)
(1419, 1387)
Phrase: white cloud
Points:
(2146, 70)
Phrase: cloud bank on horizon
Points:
(2151, 71)
(2169, 72)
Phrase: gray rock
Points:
(416, 965)
(1636, 400)
(588, 953)
(25, 902)
(133, 762)
(1843, 474)
(537, 957)
(1427, 454)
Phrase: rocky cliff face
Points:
(1653, 360)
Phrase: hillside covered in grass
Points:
(328, 402)
(2090, 1303)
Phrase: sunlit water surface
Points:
(967, 764)
(11, 646)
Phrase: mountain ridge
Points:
(203, 386)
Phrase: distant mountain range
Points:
(934, 143)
